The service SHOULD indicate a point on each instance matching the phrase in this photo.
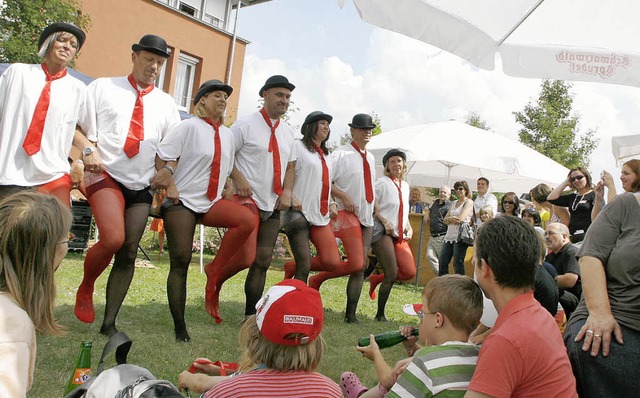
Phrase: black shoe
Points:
(183, 337)
(108, 330)
(380, 318)
(351, 319)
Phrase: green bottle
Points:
(386, 339)
(82, 370)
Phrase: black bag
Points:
(466, 234)
(123, 380)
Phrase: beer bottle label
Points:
(81, 375)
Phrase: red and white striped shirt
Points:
(272, 383)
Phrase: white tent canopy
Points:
(442, 153)
(590, 40)
(625, 147)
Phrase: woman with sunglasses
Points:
(510, 204)
(460, 212)
(580, 202)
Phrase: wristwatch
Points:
(88, 150)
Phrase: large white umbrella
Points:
(625, 147)
(590, 40)
(442, 153)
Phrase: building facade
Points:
(198, 33)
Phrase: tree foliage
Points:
(473, 119)
(549, 127)
(22, 22)
(346, 137)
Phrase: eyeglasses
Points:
(576, 178)
(508, 202)
(459, 189)
(421, 314)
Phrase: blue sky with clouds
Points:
(343, 66)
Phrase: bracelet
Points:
(171, 169)
(333, 203)
(78, 161)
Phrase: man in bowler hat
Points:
(125, 120)
(353, 189)
(263, 179)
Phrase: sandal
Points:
(351, 385)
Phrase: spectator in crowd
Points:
(415, 201)
(532, 217)
(510, 205)
(507, 253)
(486, 213)
(607, 320)
(580, 202)
(34, 233)
(437, 227)
(460, 212)
(563, 258)
(548, 212)
(484, 198)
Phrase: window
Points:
(187, 9)
(184, 81)
(159, 83)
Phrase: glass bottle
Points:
(386, 339)
(82, 371)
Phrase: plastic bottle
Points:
(91, 178)
(386, 339)
(82, 371)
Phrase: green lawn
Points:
(146, 319)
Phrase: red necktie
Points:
(324, 196)
(136, 127)
(214, 177)
(368, 189)
(33, 138)
(398, 185)
(273, 147)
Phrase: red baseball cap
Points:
(412, 309)
(290, 313)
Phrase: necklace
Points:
(575, 205)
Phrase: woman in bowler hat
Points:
(39, 107)
(196, 194)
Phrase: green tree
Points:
(473, 119)
(346, 137)
(549, 127)
(22, 22)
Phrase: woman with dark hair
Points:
(391, 229)
(312, 208)
(607, 319)
(510, 204)
(532, 218)
(580, 202)
(39, 107)
(461, 212)
(548, 212)
(200, 151)
(34, 230)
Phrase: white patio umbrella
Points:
(590, 40)
(625, 147)
(445, 152)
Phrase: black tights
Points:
(135, 221)
(297, 232)
(385, 251)
(256, 278)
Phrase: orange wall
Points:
(117, 24)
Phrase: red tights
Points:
(59, 189)
(328, 257)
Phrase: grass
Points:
(146, 319)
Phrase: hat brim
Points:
(217, 87)
(373, 126)
(316, 118)
(412, 309)
(268, 86)
(137, 47)
(62, 27)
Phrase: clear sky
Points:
(343, 66)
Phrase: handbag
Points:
(466, 234)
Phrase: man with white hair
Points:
(563, 258)
(437, 227)
(39, 107)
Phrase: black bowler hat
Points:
(317, 115)
(62, 27)
(276, 81)
(152, 43)
(391, 153)
(209, 86)
(362, 121)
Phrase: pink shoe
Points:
(351, 385)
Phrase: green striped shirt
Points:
(444, 370)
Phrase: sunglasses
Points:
(508, 202)
(460, 189)
(576, 178)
